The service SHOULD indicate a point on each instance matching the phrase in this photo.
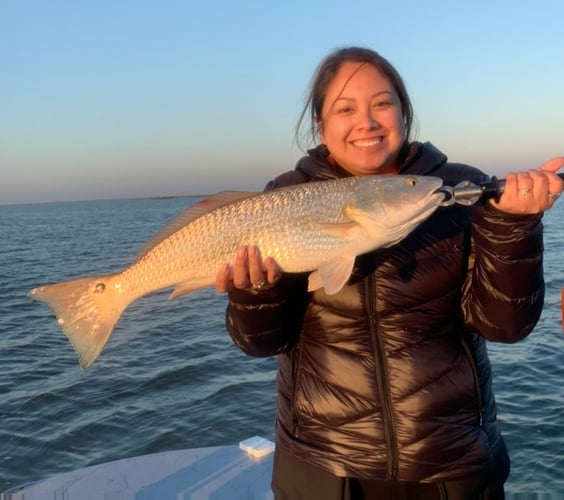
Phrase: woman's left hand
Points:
(533, 191)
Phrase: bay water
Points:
(170, 378)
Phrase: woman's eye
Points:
(344, 110)
(383, 104)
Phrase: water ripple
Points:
(170, 377)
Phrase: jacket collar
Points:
(421, 159)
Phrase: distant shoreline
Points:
(129, 198)
(169, 197)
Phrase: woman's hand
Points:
(532, 192)
(249, 271)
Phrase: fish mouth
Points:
(439, 195)
(430, 204)
(433, 200)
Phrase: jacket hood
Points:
(423, 159)
(317, 165)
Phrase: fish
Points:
(316, 227)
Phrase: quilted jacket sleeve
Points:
(504, 291)
(269, 322)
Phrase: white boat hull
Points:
(221, 473)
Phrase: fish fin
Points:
(87, 310)
(381, 235)
(314, 281)
(188, 287)
(192, 213)
(332, 275)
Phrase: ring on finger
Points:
(259, 285)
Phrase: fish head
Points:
(390, 206)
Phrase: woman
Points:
(384, 389)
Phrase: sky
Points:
(111, 99)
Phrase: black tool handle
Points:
(495, 187)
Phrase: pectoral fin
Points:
(331, 275)
(342, 230)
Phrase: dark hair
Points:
(325, 74)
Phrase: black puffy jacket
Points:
(390, 378)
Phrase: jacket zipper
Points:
(382, 380)
(478, 389)
(296, 361)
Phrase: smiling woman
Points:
(385, 387)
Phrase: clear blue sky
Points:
(104, 99)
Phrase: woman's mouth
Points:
(367, 143)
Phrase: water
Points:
(170, 377)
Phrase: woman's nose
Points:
(367, 120)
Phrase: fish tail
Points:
(87, 310)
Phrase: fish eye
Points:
(99, 288)
(411, 181)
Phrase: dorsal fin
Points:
(192, 213)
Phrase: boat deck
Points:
(218, 473)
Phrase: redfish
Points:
(317, 227)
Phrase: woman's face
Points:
(362, 123)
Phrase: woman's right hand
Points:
(249, 271)
(533, 191)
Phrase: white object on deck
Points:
(218, 473)
(257, 446)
